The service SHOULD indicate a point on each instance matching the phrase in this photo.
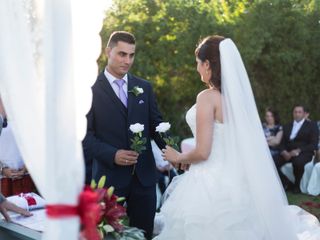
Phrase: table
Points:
(22, 228)
(13, 231)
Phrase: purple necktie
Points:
(122, 95)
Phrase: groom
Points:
(107, 142)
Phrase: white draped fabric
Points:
(48, 63)
(250, 157)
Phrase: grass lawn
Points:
(309, 203)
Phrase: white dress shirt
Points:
(9, 151)
(296, 128)
(114, 86)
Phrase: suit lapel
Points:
(131, 97)
(302, 128)
(111, 94)
(291, 128)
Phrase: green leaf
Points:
(108, 228)
(93, 184)
(102, 182)
(110, 191)
(121, 199)
(137, 138)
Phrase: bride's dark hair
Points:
(208, 49)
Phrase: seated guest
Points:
(5, 206)
(273, 131)
(317, 159)
(165, 169)
(13, 173)
(300, 140)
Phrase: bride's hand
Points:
(170, 154)
(184, 166)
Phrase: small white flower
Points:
(137, 128)
(163, 127)
(136, 90)
(139, 90)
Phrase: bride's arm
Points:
(205, 119)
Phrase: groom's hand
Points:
(126, 157)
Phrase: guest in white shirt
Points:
(10, 157)
(300, 140)
(5, 205)
(14, 177)
(11, 163)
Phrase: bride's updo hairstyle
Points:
(208, 49)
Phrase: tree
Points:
(279, 42)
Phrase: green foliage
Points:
(171, 141)
(282, 53)
(301, 200)
(138, 143)
(278, 39)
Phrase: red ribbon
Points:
(88, 210)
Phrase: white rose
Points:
(140, 90)
(163, 127)
(136, 128)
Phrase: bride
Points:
(232, 190)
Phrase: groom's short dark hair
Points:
(122, 36)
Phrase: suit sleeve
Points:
(5, 123)
(155, 120)
(94, 148)
(313, 141)
(282, 145)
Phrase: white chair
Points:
(310, 182)
(306, 177)
(287, 170)
(314, 181)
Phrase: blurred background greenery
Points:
(279, 41)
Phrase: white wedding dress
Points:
(208, 203)
(236, 193)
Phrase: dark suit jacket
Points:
(3, 123)
(306, 139)
(108, 131)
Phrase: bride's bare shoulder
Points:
(209, 95)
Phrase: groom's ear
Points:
(107, 51)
